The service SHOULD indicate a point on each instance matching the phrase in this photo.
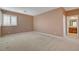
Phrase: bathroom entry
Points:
(72, 26)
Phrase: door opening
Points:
(72, 26)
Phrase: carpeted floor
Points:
(35, 41)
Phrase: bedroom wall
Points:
(50, 22)
(0, 30)
(72, 12)
(25, 24)
(0, 22)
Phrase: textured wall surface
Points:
(50, 22)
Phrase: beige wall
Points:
(50, 22)
(25, 24)
(72, 12)
(0, 30)
(78, 28)
(0, 21)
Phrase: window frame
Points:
(10, 20)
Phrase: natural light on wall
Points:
(9, 20)
(75, 24)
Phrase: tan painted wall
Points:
(0, 22)
(25, 24)
(0, 30)
(50, 22)
(72, 12)
(78, 28)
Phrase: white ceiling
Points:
(34, 10)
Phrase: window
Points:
(9, 20)
(73, 23)
(6, 20)
(14, 20)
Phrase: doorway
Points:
(72, 26)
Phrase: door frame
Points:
(65, 29)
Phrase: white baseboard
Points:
(59, 37)
(50, 35)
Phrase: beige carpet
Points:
(34, 41)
